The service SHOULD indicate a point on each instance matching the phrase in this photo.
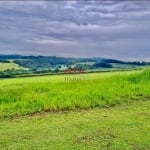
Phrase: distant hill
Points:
(48, 61)
(28, 65)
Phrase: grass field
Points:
(5, 66)
(123, 127)
(96, 111)
(66, 92)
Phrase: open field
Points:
(5, 66)
(95, 111)
(24, 96)
(123, 127)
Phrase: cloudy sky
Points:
(111, 29)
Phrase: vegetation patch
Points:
(25, 96)
(8, 65)
(123, 127)
(103, 138)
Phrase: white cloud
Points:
(55, 42)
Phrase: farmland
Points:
(5, 66)
(76, 111)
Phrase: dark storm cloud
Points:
(114, 29)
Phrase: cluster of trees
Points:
(94, 66)
(126, 62)
(11, 73)
(4, 61)
(103, 65)
(37, 63)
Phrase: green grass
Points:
(96, 111)
(11, 65)
(24, 96)
(123, 127)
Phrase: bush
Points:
(103, 65)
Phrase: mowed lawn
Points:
(122, 127)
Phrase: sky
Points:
(110, 29)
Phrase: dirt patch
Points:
(103, 138)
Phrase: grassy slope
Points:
(5, 66)
(28, 95)
(124, 127)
